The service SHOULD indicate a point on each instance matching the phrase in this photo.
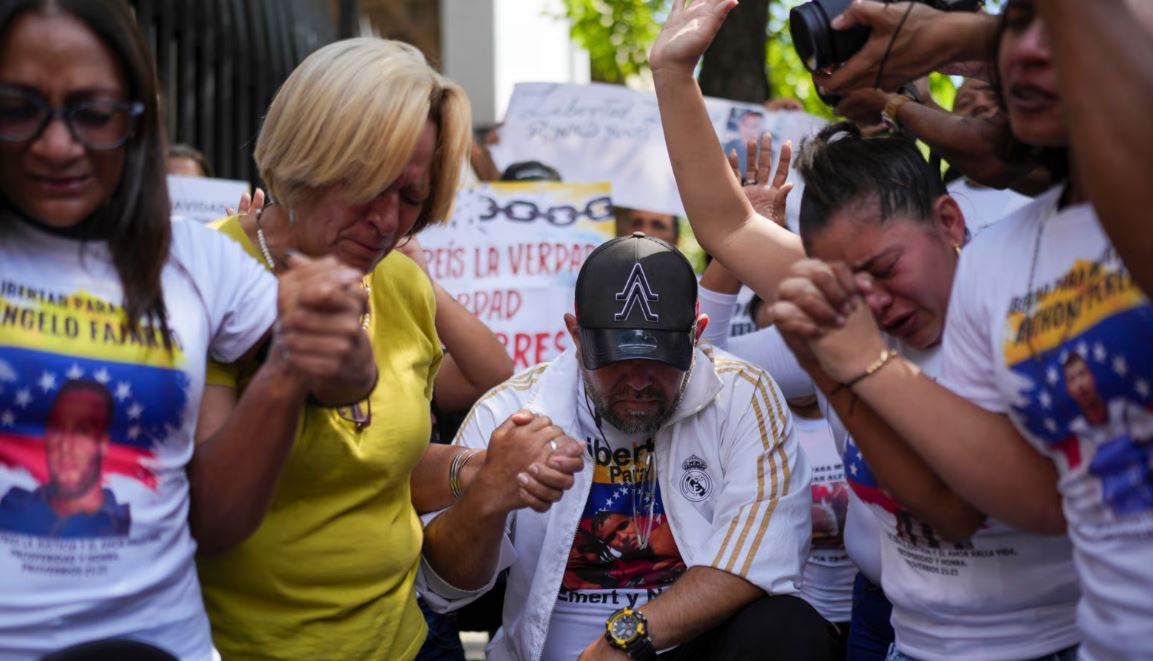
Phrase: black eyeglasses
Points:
(96, 124)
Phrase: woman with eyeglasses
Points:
(108, 314)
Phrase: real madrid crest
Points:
(696, 485)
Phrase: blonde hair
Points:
(351, 114)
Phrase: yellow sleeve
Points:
(220, 374)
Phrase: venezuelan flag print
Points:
(623, 539)
(85, 403)
(862, 480)
(1081, 350)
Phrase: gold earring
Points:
(957, 247)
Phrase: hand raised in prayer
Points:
(767, 195)
(687, 33)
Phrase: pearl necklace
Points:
(263, 243)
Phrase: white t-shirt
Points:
(96, 429)
(767, 349)
(1006, 594)
(982, 205)
(611, 565)
(764, 348)
(1034, 340)
(829, 573)
(742, 322)
(1002, 595)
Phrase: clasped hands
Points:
(822, 311)
(320, 307)
(530, 463)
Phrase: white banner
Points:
(597, 132)
(511, 254)
(203, 199)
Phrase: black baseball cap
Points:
(636, 299)
(530, 171)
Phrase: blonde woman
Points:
(361, 148)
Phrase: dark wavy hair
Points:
(841, 168)
(135, 220)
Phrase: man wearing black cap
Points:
(688, 525)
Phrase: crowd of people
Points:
(220, 441)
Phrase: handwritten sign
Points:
(597, 132)
(511, 254)
(203, 199)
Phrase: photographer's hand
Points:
(928, 40)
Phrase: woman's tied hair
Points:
(841, 169)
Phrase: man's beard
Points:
(646, 423)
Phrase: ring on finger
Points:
(749, 181)
(552, 445)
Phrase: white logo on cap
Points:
(637, 292)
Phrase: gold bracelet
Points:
(889, 114)
(885, 357)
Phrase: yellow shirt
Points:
(329, 573)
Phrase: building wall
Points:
(490, 45)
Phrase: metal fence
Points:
(220, 61)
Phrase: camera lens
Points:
(818, 44)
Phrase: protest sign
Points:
(511, 254)
(203, 199)
(597, 132)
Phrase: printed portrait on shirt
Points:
(77, 441)
(1080, 346)
(624, 539)
(829, 509)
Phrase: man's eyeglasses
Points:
(96, 124)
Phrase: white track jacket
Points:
(735, 488)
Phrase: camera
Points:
(820, 46)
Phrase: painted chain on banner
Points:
(511, 254)
(597, 132)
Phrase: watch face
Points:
(623, 627)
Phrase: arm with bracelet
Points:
(904, 474)
(871, 389)
(971, 144)
(529, 462)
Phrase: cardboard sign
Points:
(597, 132)
(511, 254)
(203, 199)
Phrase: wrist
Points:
(965, 36)
(627, 630)
(673, 74)
(456, 467)
(282, 380)
(890, 114)
(886, 356)
(487, 494)
(843, 369)
(469, 471)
